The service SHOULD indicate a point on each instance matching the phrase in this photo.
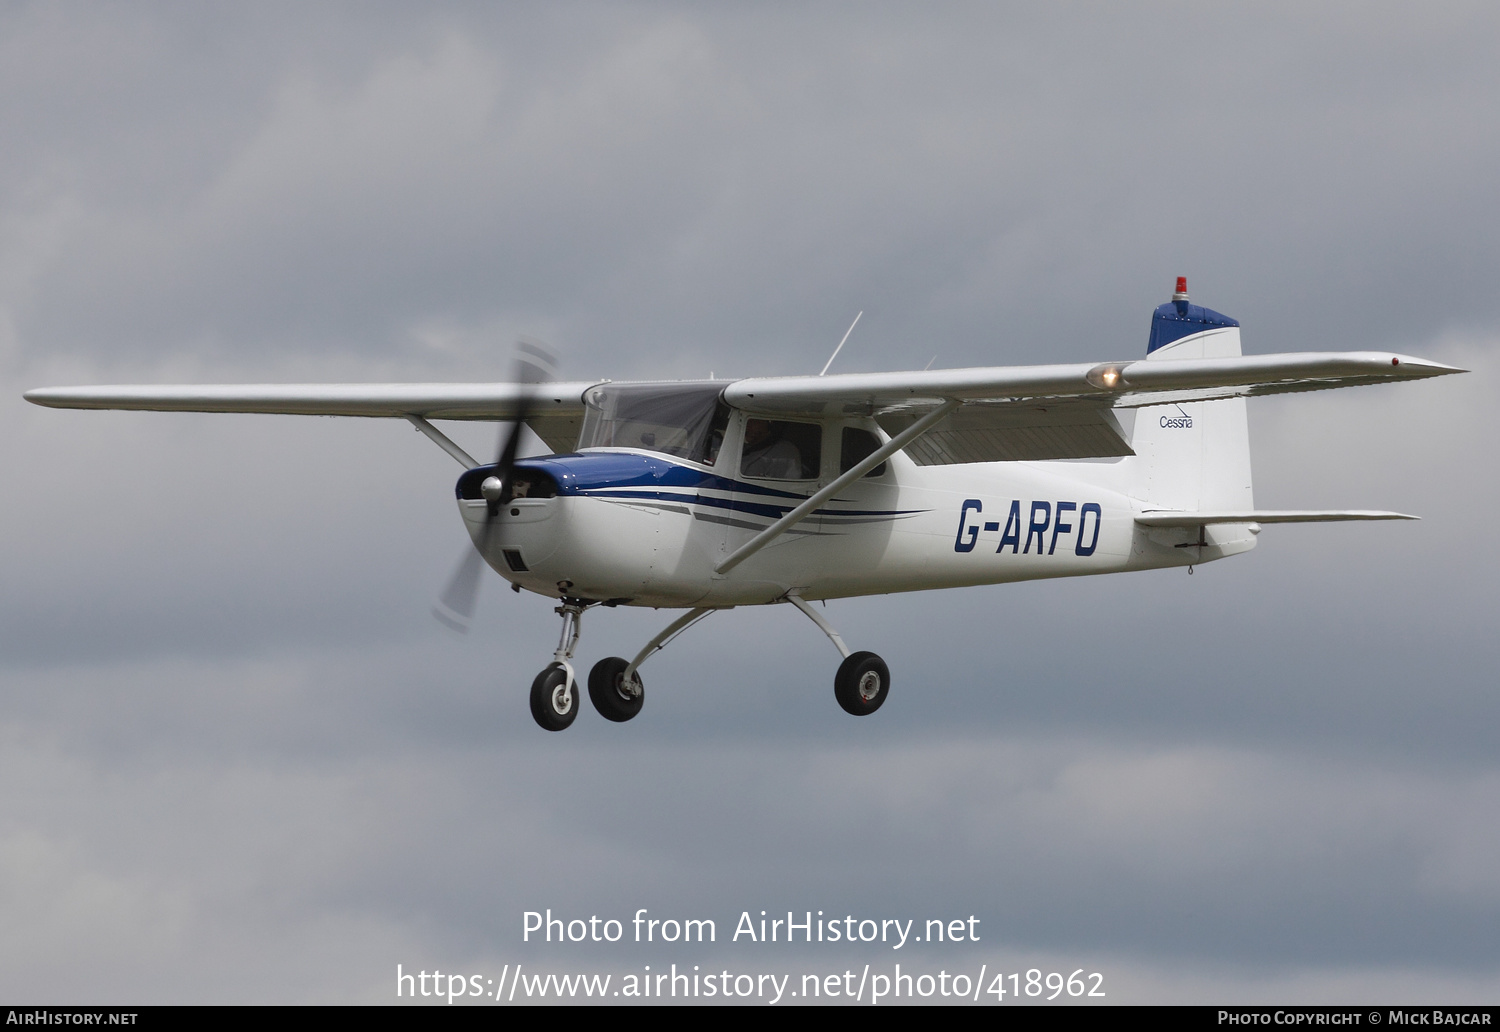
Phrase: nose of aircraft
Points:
(520, 535)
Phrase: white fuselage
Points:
(910, 529)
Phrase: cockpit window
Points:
(686, 420)
(780, 450)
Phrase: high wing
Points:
(1059, 411)
(554, 410)
(1129, 384)
(1002, 412)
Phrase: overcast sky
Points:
(239, 761)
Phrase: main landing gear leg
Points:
(554, 696)
(863, 680)
(615, 686)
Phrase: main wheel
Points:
(862, 683)
(608, 692)
(552, 704)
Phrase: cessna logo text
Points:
(1045, 525)
(1177, 422)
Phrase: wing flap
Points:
(1016, 432)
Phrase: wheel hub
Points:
(869, 685)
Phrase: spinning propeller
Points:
(534, 364)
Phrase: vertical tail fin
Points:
(1195, 455)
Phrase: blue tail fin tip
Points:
(1178, 318)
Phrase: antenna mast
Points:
(841, 343)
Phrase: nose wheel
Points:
(554, 693)
(554, 697)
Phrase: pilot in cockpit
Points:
(767, 454)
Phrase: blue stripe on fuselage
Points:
(770, 511)
(635, 476)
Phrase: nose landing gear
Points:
(554, 695)
(554, 703)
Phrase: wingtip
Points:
(59, 397)
(1424, 367)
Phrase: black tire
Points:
(547, 706)
(862, 683)
(606, 690)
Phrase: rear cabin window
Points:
(779, 450)
(856, 445)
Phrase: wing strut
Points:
(856, 471)
(443, 441)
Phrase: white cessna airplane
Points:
(705, 495)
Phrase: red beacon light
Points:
(1181, 294)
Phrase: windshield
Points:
(685, 419)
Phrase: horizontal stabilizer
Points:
(1177, 518)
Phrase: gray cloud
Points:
(240, 760)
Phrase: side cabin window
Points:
(780, 450)
(687, 420)
(856, 445)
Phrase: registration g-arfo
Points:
(707, 495)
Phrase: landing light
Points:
(1106, 377)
